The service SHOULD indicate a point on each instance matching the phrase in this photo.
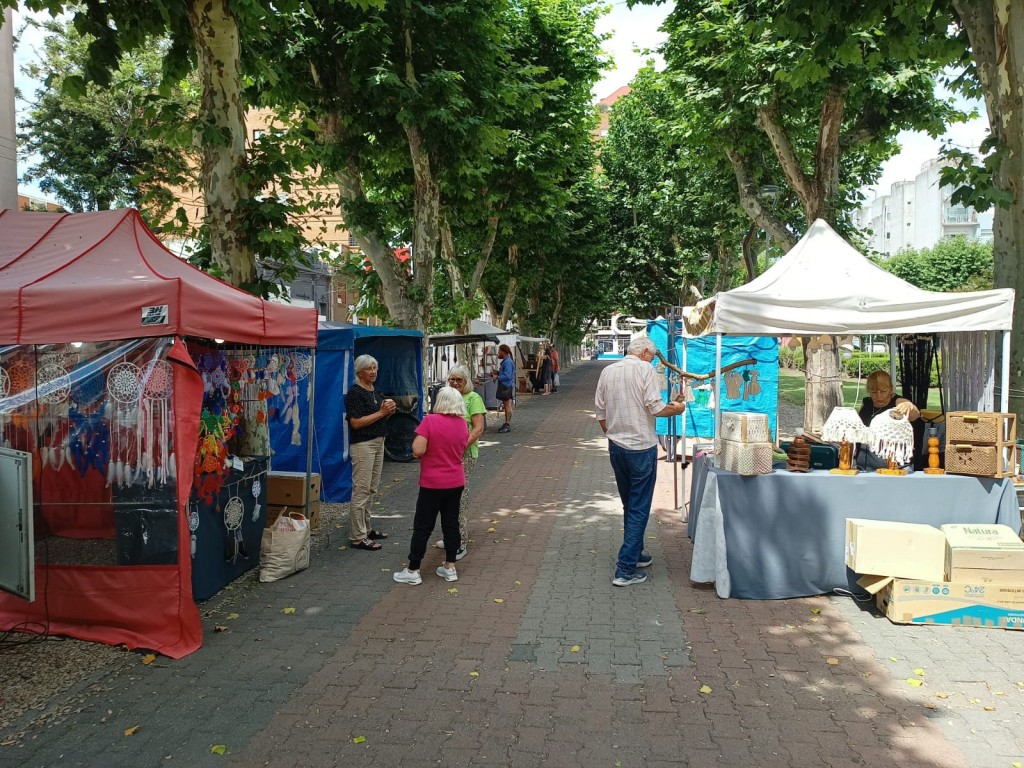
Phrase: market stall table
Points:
(783, 534)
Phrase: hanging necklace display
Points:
(124, 390)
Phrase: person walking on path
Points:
(506, 384)
(553, 354)
(367, 411)
(628, 398)
(458, 378)
(439, 444)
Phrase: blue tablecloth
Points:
(783, 534)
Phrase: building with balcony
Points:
(917, 214)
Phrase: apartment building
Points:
(918, 214)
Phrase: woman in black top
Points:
(881, 397)
(366, 410)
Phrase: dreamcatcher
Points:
(256, 488)
(5, 383)
(234, 509)
(193, 525)
(154, 429)
(53, 388)
(124, 387)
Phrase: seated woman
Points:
(881, 397)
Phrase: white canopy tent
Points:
(825, 286)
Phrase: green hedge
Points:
(862, 363)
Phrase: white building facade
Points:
(917, 214)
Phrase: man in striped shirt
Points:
(628, 399)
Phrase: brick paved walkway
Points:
(533, 658)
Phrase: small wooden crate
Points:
(979, 460)
(981, 428)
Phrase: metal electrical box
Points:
(17, 558)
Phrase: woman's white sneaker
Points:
(448, 574)
(405, 576)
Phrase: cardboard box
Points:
(971, 548)
(906, 550)
(909, 601)
(288, 488)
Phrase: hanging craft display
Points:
(217, 426)
(156, 382)
(235, 543)
(256, 488)
(5, 384)
(193, 525)
(124, 388)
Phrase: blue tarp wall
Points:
(700, 358)
(400, 374)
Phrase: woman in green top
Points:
(459, 378)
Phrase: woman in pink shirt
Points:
(440, 441)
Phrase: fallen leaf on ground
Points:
(517, 582)
(342, 549)
(149, 658)
(288, 610)
(990, 709)
(219, 628)
(490, 530)
(453, 591)
(919, 671)
(705, 689)
(131, 731)
(474, 674)
(974, 701)
(498, 600)
(893, 658)
(232, 615)
(575, 649)
(941, 695)
(219, 749)
(815, 611)
(832, 661)
(913, 681)
(358, 739)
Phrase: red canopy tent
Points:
(97, 277)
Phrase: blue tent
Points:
(398, 354)
(700, 358)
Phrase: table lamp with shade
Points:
(844, 426)
(892, 436)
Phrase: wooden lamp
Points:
(844, 426)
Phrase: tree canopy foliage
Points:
(952, 264)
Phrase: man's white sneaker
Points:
(448, 574)
(405, 576)
(440, 544)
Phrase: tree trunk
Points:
(221, 139)
(823, 384)
(511, 288)
(750, 201)
(995, 29)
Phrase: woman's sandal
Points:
(367, 544)
(374, 535)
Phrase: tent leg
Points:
(1004, 375)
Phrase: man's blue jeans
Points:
(635, 473)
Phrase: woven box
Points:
(745, 427)
(980, 427)
(743, 458)
(978, 460)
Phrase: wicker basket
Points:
(979, 460)
(981, 428)
(743, 458)
(745, 427)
